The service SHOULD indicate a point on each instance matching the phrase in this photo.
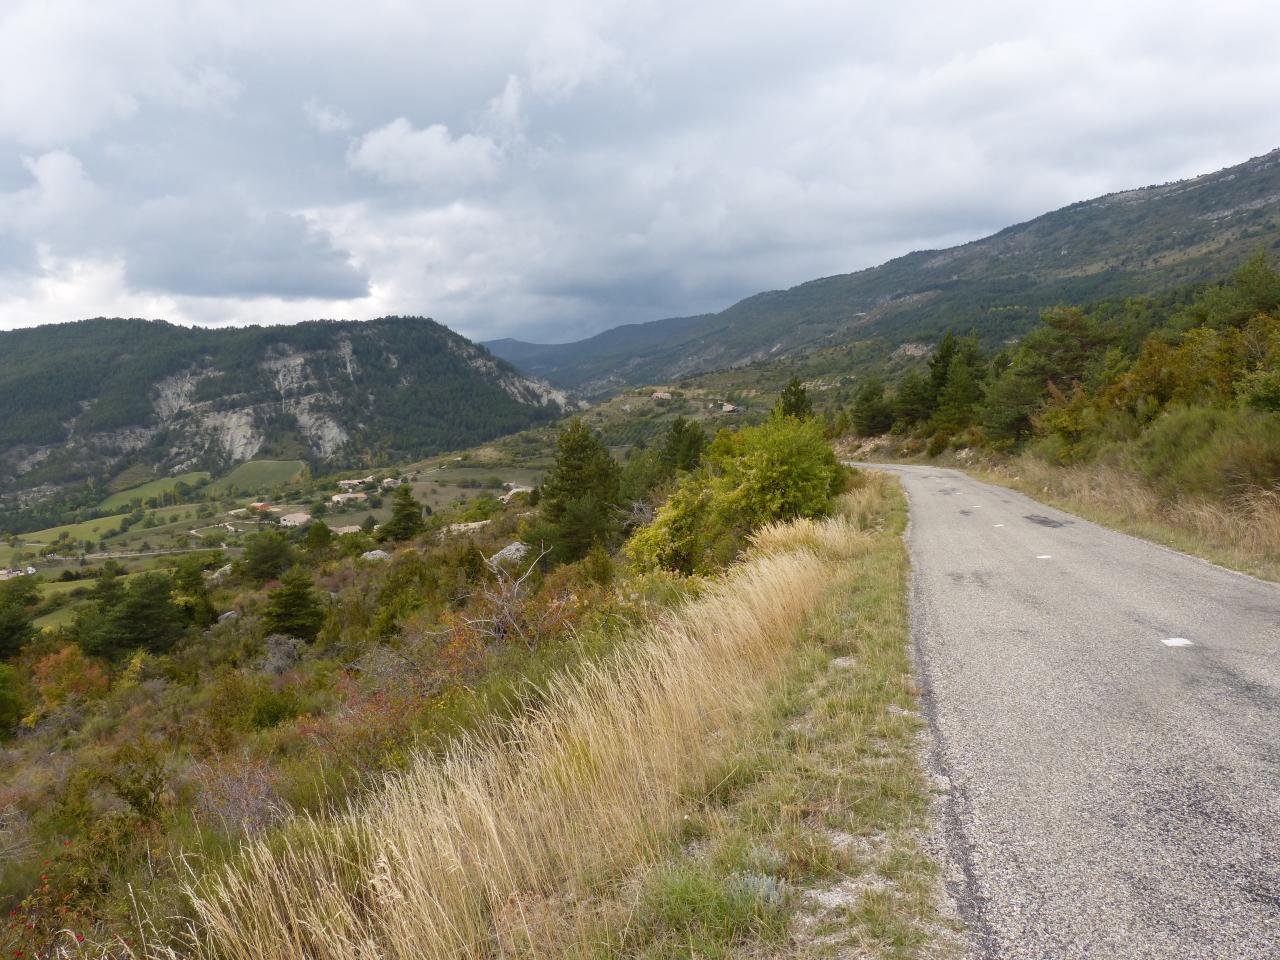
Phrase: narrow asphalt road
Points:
(1106, 726)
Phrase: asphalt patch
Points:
(1044, 521)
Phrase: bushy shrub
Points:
(1211, 452)
(782, 469)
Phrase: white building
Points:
(295, 519)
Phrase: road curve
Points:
(1106, 727)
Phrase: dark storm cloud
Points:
(213, 250)
(545, 170)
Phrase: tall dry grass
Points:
(1243, 533)
(440, 862)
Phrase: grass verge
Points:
(1243, 535)
(808, 842)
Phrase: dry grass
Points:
(594, 778)
(811, 847)
(1244, 534)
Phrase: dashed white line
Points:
(999, 524)
(1044, 556)
(1178, 642)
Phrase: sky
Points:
(546, 170)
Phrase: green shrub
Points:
(782, 469)
(1210, 452)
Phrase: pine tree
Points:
(266, 555)
(872, 414)
(913, 402)
(959, 397)
(580, 495)
(684, 445)
(940, 367)
(406, 517)
(794, 401)
(318, 537)
(293, 608)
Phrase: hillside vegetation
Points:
(1137, 242)
(1162, 411)
(87, 401)
(347, 720)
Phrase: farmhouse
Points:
(295, 519)
(348, 497)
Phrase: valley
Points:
(631, 676)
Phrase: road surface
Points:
(1106, 725)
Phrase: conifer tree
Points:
(794, 401)
(872, 414)
(406, 517)
(580, 496)
(293, 608)
(959, 397)
(913, 402)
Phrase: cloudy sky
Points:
(549, 169)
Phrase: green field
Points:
(259, 475)
(154, 488)
(87, 530)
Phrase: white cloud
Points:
(399, 153)
(559, 167)
(324, 118)
(568, 52)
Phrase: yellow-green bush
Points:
(782, 469)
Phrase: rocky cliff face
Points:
(85, 399)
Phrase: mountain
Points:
(85, 399)
(1134, 242)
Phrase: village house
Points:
(346, 529)
(341, 498)
(391, 483)
(661, 395)
(295, 519)
(352, 484)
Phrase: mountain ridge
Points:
(84, 399)
(1142, 240)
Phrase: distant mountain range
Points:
(1135, 242)
(83, 400)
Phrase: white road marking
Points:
(999, 524)
(1044, 556)
(1178, 642)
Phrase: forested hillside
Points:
(83, 400)
(1159, 411)
(1137, 242)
